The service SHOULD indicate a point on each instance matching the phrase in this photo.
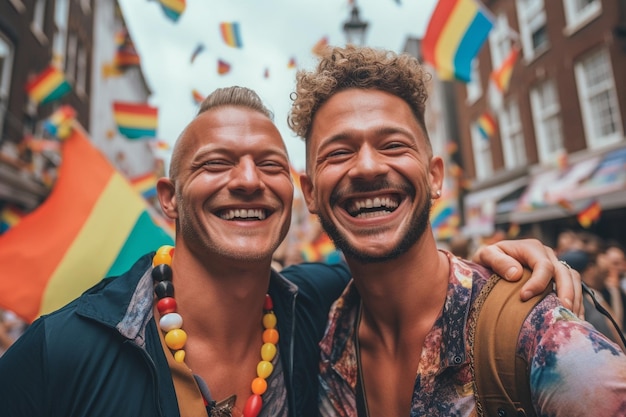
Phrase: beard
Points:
(413, 233)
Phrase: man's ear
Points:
(436, 173)
(307, 191)
(166, 193)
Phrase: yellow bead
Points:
(269, 320)
(268, 351)
(175, 339)
(161, 258)
(179, 356)
(258, 386)
(270, 336)
(264, 369)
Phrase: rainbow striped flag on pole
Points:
(47, 86)
(92, 225)
(136, 120)
(455, 33)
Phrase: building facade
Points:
(78, 37)
(558, 143)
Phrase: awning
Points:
(555, 194)
(480, 207)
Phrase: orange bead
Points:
(176, 339)
(270, 336)
(258, 386)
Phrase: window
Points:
(474, 88)
(81, 70)
(37, 25)
(500, 41)
(533, 29)
(6, 62)
(598, 100)
(512, 136)
(546, 112)
(482, 154)
(61, 17)
(72, 50)
(578, 12)
(86, 6)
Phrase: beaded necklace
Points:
(175, 337)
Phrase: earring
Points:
(438, 193)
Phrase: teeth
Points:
(375, 203)
(370, 214)
(243, 214)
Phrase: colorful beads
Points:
(175, 337)
(270, 336)
(171, 322)
(258, 386)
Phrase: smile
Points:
(243, 214)
(372, 207)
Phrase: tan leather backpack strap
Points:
(501, 378)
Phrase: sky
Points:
(272, 32)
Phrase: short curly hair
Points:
(357, 67)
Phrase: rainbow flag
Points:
(322, 249)
(501, 77)
(231, 34)
(320, 46)
(196, 52)
(47, 86)
(145, 185)
(223, 67)
(92, 225)
(173, 9)
(198, 98)
(136, 120)
(590, 214)
(292, 63)
(455, 33)
(61, 122)
(486, 125)
(9, 217)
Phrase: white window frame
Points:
(37, 24)
(546, 112)
(474, 88)
(481, 147)
(512, 135)
(531, 15)
(578, 14)
(499, 41)
(7, 49)
(59, 42)
(605, 86)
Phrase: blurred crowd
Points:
(602, 266)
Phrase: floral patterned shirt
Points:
(575, 370)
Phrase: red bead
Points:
(253, 406)
(268, 305)
(166, 305)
